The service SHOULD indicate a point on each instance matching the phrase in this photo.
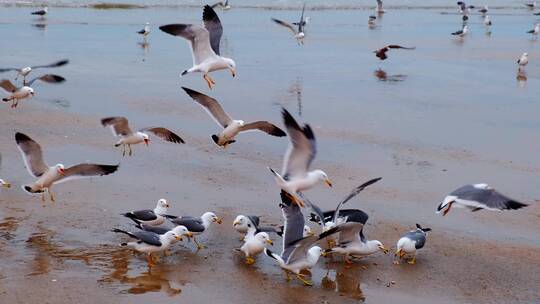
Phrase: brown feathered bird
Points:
(381, 53)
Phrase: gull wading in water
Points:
(3, 183)
(145, 31)
(149, 242)
(410, 243)
(150, 217)
(534, 32)
(25, 71)
(49, 176)
(204, 42)
(26, 91)
(196, 225)
(298, 32)
(231, 127)
(41, 12)
(120, 127)
(523, 61)
(301, 152)
(462, 33)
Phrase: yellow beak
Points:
(328, 182)
(235, 223)
(178, 238)
(270, 242)
(219, 220)
(189, 235)
(384, 249)
(6, 185)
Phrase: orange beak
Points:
(146, 141)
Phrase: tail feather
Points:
(123, 244)
(116, 230)
(29, 189)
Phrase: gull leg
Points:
(287, 276)
(123, 150)
(347, 261)
(51, 195)
(413, 261)
(149, 260)
(306, 282)
(250, 260)
(208, 81)
(199, 246)
(43, 196)
(130, 151)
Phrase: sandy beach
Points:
(450, 113)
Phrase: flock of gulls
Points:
(339, 231)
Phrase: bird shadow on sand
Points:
(521, 78)
(381, 75)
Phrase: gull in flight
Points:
(301, 152)
(120, 127)
(149, 242)
(410, 243)
(150, 217)
(298, 32)
(254, 245)
(41, 12)
(26, 91)
(196, 225)
(381, 53)
(223, 4)
(477, 197)
(49, 176)
(24, 71)
(204, 42)
(3, 183)
(145, 31)
(231, 127)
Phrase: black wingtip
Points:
(109, 169)
(184, 73)
(329, 232)
(20, 137)
(418, 226)
(173, 29)
(269, 253)
(215, 138)
(209, 13)
(515, 205)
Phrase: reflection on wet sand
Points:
(345, 281)
(7, 227)
(145, 46)
(296, 91)
(521, 78)
(381, 75)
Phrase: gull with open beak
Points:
(301, 152)
(254, 245)
(17, 94)
(410, 243)
(150, 217)
(196, 225)
(149, 242)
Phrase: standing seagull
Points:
(26, 92)
(298, 32)
(410, 242)
(531, 5)
(41, 12)
(49, 176)
(477, 197)
(224, 5)
(487, 21)
(523, 61)
(120, 127)
(231, 127)
(149, 242)
(196, 225)
(24, 71)
(145, 31)
(534, 32)
(461, 33)
(379, 9)
(301, 152)
(381, 53)
(254, 245)
(150, 217)
(204, 42)
(3, 183)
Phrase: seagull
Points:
(381, 53)
(149, 242)
(49, 176)
(371, 20)
(150, 217)
(298, 32)
(231, 127)
(531, 5)
(204, 42)
(145, 31)
(379, 9)
(462, 32)
(463, 8)
(249, 225)
(24, 71)
(41, 12)
(120, 127)
(295, 176)
(523, 61)
(477, 197)
(535, 30)
(26, 91)
(410, 242)
(298, 252)
(196, 225)
(308, 231)
(180, 230)
(483, 10)
(487, 21)
(254, 245)
(224, 5)
(3, 183)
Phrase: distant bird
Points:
(3, 183)
(25, 92)
(523, 61)
(41, 12)
(371, 20)
(298, 32)
(254, 245)
(464, 8)
(204, 42)
(381, 53)
(196, 225)
(24, 71)
(531, 5)
(149, 217)
(483, 10)
(477, 197)
(120, 127)
(231, 127)
(145, 31)
(301, 152)
(379, 9)
(410, 243)
(463, 32)
(534, 32)
(487, 21)
(149, 242)
(49, 176)
(536, 14)
(223, 5)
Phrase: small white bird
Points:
(25, 92)
(254, 245)
(534, 32)
(49, 176)
(41, 12)
(487, 21)
(149, 242)
(463, 32)
(298, 32)
(224, 5)
(120, 127)
(145, 31)
(150, 217)
(196, 225)
(410, 243)
(25, 71)
(523, 61)
(231, 127)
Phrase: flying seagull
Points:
(231, 127)
(3, 183)
(149, 242)
(24, 71)
(204, 42)
(381, 53)
(464, 8)
(26, 91)
(477, 197)
(223, 4)
(462, 32)
(379, 9)
(534, 32)
(49, 176)
(120, 127)
(41, 12)
(254, 245)
(196, 225)
(295, 176)
(523, 61)
(297, 28)
(410, 243)
(150, 217)
(145, 31)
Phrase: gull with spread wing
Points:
(297, 28)
(26, 91)
(24, 71)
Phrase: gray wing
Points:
(486, 197)
(141, 215)
(154, 229)
(300, 249)
(148, 237)
(254, 220)
(198, 38)
(165, 134)
(213, 25)
(211, 106)
(302, 148)
(349, 232)
(353, 193)
(87, 170)
(8, 86)
(264, 126)
(48, 78)
(285, 24)
(119, 125)
(52, 65)
(32, 155)
(301, 23)
(418, 237)
(317, 211)
(193, 224)
(293, 224)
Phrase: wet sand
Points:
(459, 116)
